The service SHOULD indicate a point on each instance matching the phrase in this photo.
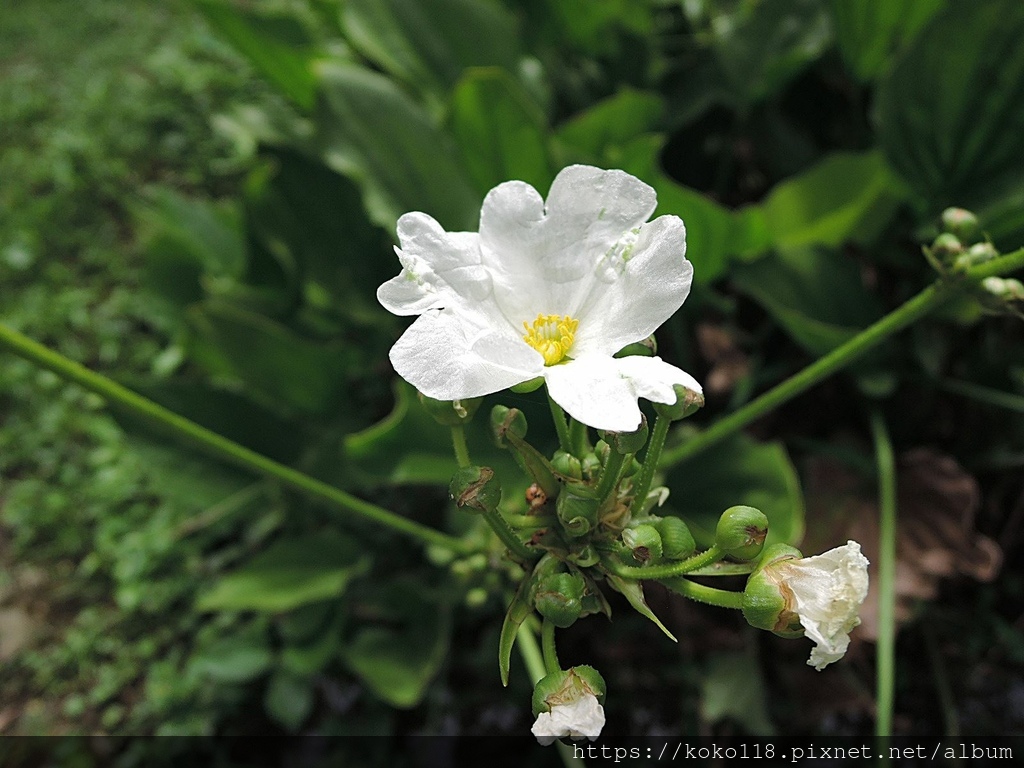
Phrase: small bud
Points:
(1005, 288)
(676, 540)
(505, 420)
(946, 247)
(741, 532)
(567, 465)
(578, 512)
(687, 403)
(528, 386)
(475, 488)
(451, 413)
(559, 598)
(591, 466)
(564, 687)
(585, 557)
(962, 224)
(627, 442)
(536, 498)
(645, 543)
(601, 450)
(645, 348)
(979, 253)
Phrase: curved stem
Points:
(460, 446)
(508, 536)
(668, 570)
(703, 594)
(652, 459)
(222, 447)
(561, 427)
(886, 656)
(924, 302)
(610, 474)
(547, 645)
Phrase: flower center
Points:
(552, 336)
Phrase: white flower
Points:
(544, 289)
(827, 590)
(582, 717)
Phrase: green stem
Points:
(668, 570)
(561, 428)
(652, 459)
(703, 594)
(508, 536)
(886, 651)
(920, 305)
(547, 645)
(984, 394)
(610, 475)
(578, 438)
(459, 444)
(220, 446)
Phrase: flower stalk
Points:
(704, 594)
(885, 668)
(652, 460)
(667, 571)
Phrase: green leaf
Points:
(288, 574)
(430, 42)
(598, 134)
(501, 132)
(739, 470)
(373, 133)
(398, 657)
(951, 113)
(871, 32)
(277, 363)
(275, 44)
(817, 295)
(236, 658)
(633, 591)
(289, 699)
(733, 688)
(845, 197)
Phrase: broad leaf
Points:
(733, 688)
(291, 573)
(289, 699)
(238, 657)
(599, 134)
(871, 32)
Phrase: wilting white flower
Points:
(549, 289)
(580, 718)
(828, 590)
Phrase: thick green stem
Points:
(220, 446)
(547, 645)
(886, 650)
(652, 459)
(610, 474)
(668, 570)
(703, 594)
(561, 427)
(578, 438)
(508, 536)
(914, 309)
(459, 444)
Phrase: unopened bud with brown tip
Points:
(476, 489)
(687, 403)
(507, 420)
(741, 532)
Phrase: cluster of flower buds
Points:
(961, 244)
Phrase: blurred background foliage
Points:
(199, 200)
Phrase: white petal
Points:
(602, 391)
(582, 718)
(828, 590)
(638, 293)
(544, 258)
(446, 356)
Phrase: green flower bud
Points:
(567, 465)
(591, 466)
(676, 540)
(962, 224)
(646, 348)
(566, 686)
(627, 442)
(632, 467)
(584, 557)
(475, 488)
(601, 450)
(978, 253)
(451, 413)
(766, 600)
(645, 543)
(559, 598)
(687, 403)
(741, 532)
(576, 511)
(528, 386)
(946, 247)
(505, 420)
(1005, 288)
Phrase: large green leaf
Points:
(501, 132)
(733, 688)
(398, 655)
(278, 364)
(598, 134)
(290, 573)
(845, 197)
(817, 295)
(242, 655)
(276, 44)
(870, 32)
(739, 470)
(374, 133)
(430, 42)
(951, 113)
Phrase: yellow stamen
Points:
(552, 336)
